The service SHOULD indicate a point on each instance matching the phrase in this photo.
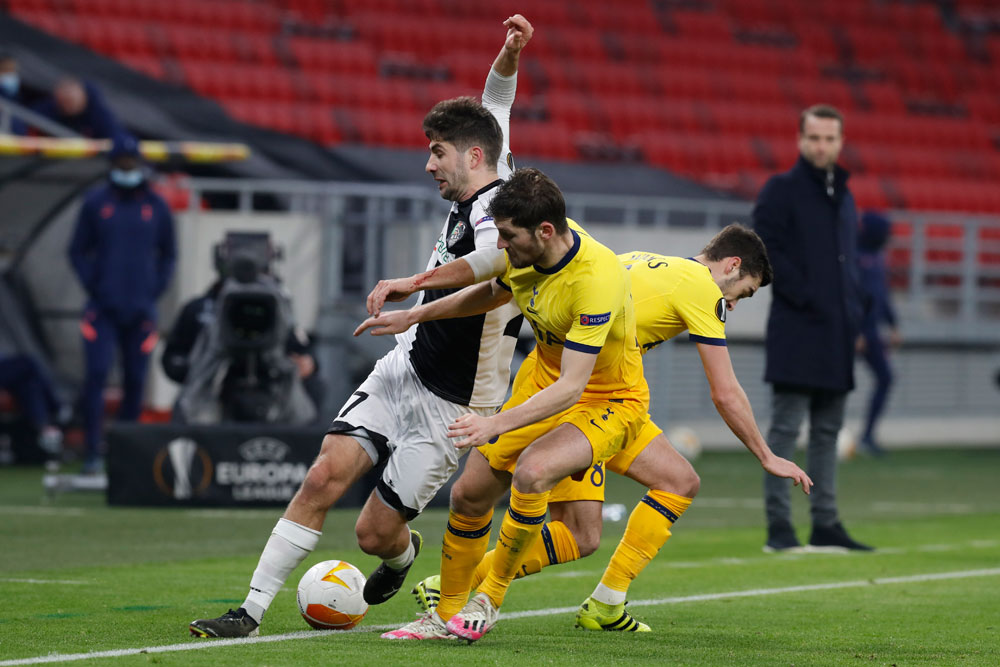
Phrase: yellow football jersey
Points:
(672, 294)
(582, 303)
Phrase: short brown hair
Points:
(529, 198)
(739, 241)
(821, 111)
(464, 122)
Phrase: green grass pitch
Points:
(78, 577)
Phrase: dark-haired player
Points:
(435, 374)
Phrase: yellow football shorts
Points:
(591, 486)
(608, 425)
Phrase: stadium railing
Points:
(945, 267)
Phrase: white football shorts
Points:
(394, 417)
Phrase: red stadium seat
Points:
(711, 90)
(324, 55)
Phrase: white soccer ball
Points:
(330, 595)
(685, 441)
(847, 445)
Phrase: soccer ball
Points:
(330, 597)
(685, 441)
(847, 445)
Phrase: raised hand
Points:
(519, 32)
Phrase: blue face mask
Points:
(10, 83)
(127, 178)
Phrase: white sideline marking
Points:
(42, 581)
(42, 510)
(728, 560)
(233, 514)
(921, 508)
(881, 581)
(551, 611)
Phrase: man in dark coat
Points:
(123, 251)
(808, 221)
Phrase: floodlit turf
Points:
(79, 577)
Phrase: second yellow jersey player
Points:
(670, 295)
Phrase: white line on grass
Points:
(42, 510)
(551, 611)
(775, 591)
(729, 560)
(42, 581)
(231, 514)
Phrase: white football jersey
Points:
(467, 360)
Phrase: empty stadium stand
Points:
(708, 89)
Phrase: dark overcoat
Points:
(809, 225)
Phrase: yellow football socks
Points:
(465, 542)
(521, 526)
(557, 545)
(648, 529)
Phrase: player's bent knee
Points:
(585, 528)
(587, 542)
(533, 477)
(691, 485)
(330, 475)
(466, 503)
(370, 540)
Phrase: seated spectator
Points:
(24, 378)
(80, 106)
(10, 89)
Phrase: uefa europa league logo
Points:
(183, 456)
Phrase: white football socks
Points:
(285, 550)
(402, 560)
(609, 595)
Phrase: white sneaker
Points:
(428, 626)
(477, 617)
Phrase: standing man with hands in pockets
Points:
(807, 218)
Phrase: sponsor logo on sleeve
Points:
(595, 320)
(720, 310)
(485, 218)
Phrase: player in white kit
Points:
(436, 372)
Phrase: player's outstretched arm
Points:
(734, 407)
(575, 370)
(457, 273)
(479, 265)
(519, 32)
(473, 300)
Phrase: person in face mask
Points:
(123, 251)
(10, 89)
